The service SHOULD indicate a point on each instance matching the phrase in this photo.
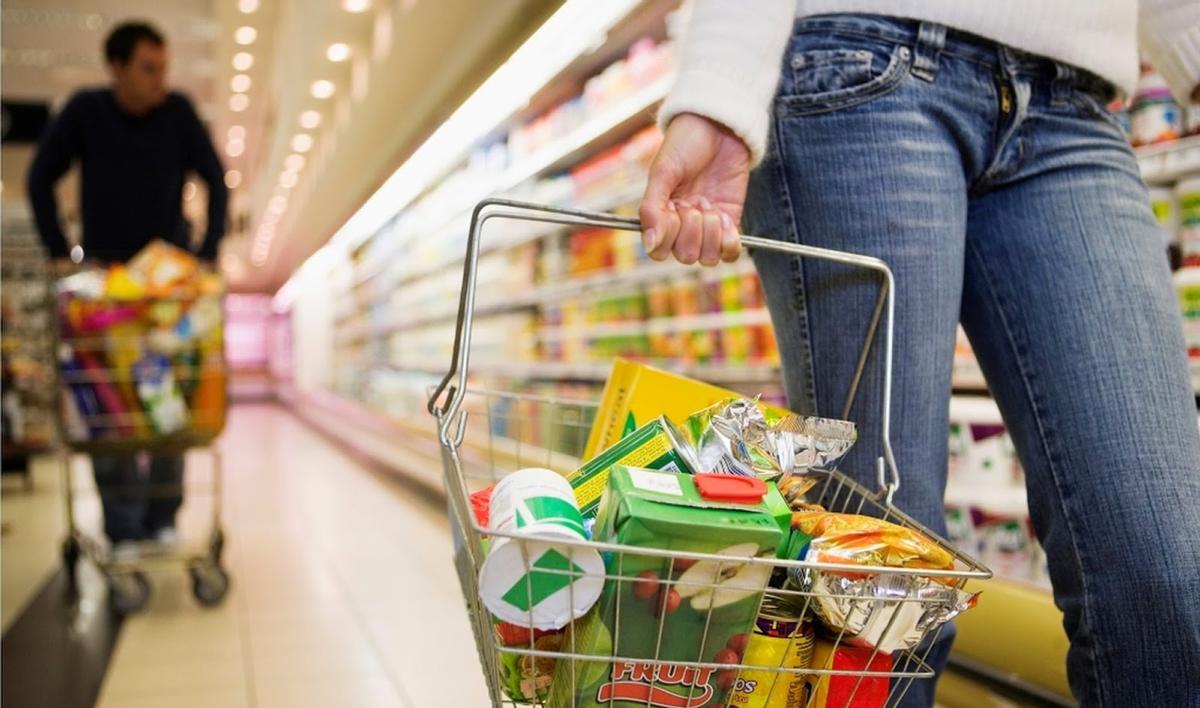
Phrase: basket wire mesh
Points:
(486, 435)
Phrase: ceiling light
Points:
(302, 142)
(322, 88)
(338, 51)
(245, 35)
(356, 5)
(240, 83)
(247, 6)
(288, 179)
(242, 61)
(294, 162)
(233, 178)
(310, 119)
(239, 102)
(278, 204)
(237, 132)
(235, 148)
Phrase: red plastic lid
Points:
(731, 488)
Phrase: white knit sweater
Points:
(730, 54)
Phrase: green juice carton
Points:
(674, 609)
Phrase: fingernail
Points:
(726, 222)
(705, 204)
(650, 239)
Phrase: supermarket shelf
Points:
(660, 325)
(409, 445)
(1001, 501)
(645, 272)
(619, 120)
(598, 372)
(403, 447)
(1164, 163)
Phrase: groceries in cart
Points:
(696, 494)
(141, 348)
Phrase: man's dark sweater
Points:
(133, 172)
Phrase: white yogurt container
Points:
(538, 579)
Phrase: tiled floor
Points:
(344, 593)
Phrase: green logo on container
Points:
(535, 587)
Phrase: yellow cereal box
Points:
(636, 393)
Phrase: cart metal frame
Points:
(129, 584)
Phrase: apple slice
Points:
(702, 576)
(747, 580)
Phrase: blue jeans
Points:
(138, 503)
(1004, 196)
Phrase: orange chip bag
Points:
(865, 540)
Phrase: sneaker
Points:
(126, 552)
(167, 537)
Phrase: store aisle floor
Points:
(343, 593)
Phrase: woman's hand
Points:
(695, 193)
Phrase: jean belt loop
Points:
(931, 38)
(1064, 79)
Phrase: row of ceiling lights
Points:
(301, 143)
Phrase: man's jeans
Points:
(1003, 195)
(139, 500)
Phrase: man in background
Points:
(136, 142)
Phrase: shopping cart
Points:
(138, 377)
(485, 435)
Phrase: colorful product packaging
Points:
(656, 445)
(636, 393)
(547, 582)
(781, 638)
(675, 610)
(841, 690)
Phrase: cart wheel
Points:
(210, 583)
(129, 592)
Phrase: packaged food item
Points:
(209, 399)
(157, 390)
(543, 583)
(737, 437)
(675, 610)
(636, 393)
(1187, 196)
(115, 419)
(1154, 115)
(781, 638)
(118, 285)
(1165, 204)
(163, 269)
(657, 445)
(883, 610)
(842, 690)
(526, 678)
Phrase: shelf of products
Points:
(26, 348)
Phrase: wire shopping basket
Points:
(680, 628)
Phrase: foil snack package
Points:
(737, 437)
(889, 611)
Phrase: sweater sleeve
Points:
(203, 159)
(59, 147)
(729, 60)
(1170, 34)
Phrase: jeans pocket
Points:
(831, 79)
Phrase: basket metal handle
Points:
(449, 414)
